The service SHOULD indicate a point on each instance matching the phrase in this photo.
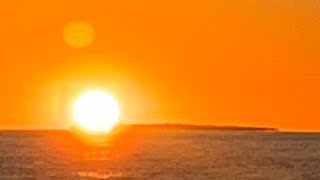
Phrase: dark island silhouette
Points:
(126, 133)
(169, 126)
(197, 127)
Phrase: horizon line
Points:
(186, 126)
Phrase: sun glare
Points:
(96, 111)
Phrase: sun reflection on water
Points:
(98, 175)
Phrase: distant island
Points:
(165, 126)
(197, 127)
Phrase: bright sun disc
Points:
(96, 111)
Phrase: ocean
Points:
(165, 154)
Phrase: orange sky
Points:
(205, 62)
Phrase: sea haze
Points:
(164, 154)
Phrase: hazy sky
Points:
(249, 62)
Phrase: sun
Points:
(96, 111)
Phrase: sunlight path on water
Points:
(172, 155)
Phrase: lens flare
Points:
(78, 34)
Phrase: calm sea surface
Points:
(167, 155)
